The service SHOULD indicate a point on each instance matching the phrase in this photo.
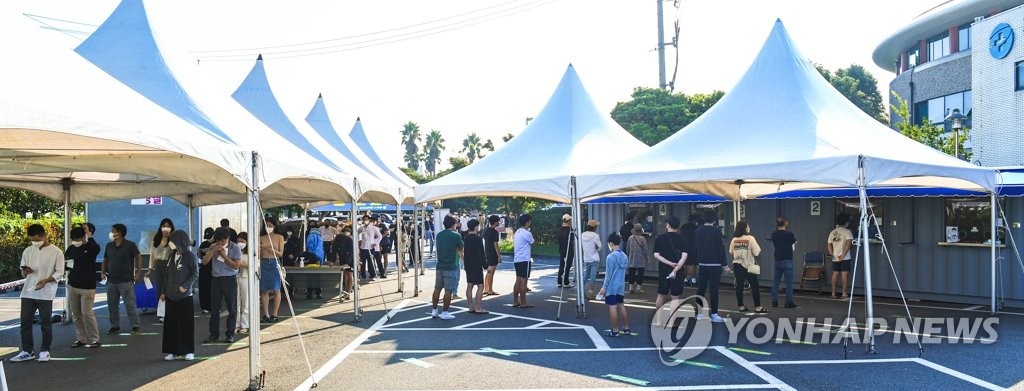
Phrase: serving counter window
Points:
(968, 220)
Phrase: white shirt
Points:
(522, 245)
(591, 246)
(464, 221)
(369, 237)
(45, 262)
(837, 240)
(327, 233)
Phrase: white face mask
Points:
(241, 245)
(111, 236)
(37, 243)
(76, 243)
(172, 246)
(166, 230)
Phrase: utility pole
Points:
(661, 45)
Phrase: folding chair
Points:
(814, 270)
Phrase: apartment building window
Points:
(913, 55)
(965, 37)
(936, 109)
(938, 47)
(1020, 75)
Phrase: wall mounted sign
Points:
(1000, 41)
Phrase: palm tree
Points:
(410, 137)
(433, 145)
(472, 147)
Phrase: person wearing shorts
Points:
(668, 251)
(522, 255)
(493, 252)
(474, 265)
(614, 288)
(840, 240)
(449, 249)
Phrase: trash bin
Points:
(145, 299)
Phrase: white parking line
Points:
(957, 374)
(479, 322)
(746, 364)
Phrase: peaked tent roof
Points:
(569, 137)
(359, 137)
(783, 122)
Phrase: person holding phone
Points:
(226, 258)
(42, 265)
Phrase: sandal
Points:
(742, 308)
(527, 306)
(845, 297)
(482, 312)
(627, 332)
(77, 344)
(834, 296)
(761, 310)
(612, 333)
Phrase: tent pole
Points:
(255, 372)
(417, 253)
(191, 217)
(398, 246)
(66, 183)
(868, 299)
(992, 240)
(577, 248)
(356, 311)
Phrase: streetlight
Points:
(956, 120)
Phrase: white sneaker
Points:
(446, 316)
(433, 313)
(700, 316)
(23, 356)
(717, 319)
(190, 357)
(169, 357)
(43, 357)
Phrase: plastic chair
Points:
(814, 270)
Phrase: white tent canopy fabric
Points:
(782, 123)
(570, 136)
(362, 141)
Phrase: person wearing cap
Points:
(591, 255)
(566, 253)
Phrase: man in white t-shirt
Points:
(42, 265)
(522, 256)
(840, 240)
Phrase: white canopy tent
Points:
(569, 137)
(783, 127)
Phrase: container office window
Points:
(965, 37)
(642, 214)
(968, 220)
(938, 46)
(851, 206)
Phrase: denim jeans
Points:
(115, 292)
(225, 288)
(28, 311)
(783, 266)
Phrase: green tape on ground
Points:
(499, 351)
(836, 331)
(8, 350)
(207, 357)
(742, 350)
(68, 358)
(113, 345)
(222, 343)
(624, 333)
(794, 341)
(131, 334)
(563, 343)
(627, 379)
(417, 362)
(698, 364)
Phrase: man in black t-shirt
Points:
(668, 251)
(687, 230)
(474, 263)
(784, 242)
(566, 251)
(709, 252)
(493, 252)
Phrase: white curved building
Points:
(967, 55)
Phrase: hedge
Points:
(13, 241)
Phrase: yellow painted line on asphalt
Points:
(5, 350)
(794, 341)
(698, 364)
(751, 351)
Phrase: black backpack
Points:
(385, 243)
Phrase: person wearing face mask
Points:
(159, 256)
(242, 303)
(122, 265)
(225, 257)
(205, 271)
(81, 260)
(179, 324)
(271, 249)
(42, 265)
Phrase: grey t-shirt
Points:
(121, 261)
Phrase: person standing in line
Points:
(412, 244)
(474, 265)
(292, 252)
(387, 242)
(784, 242)
(429, 234)
(686, 231)
(369, 237)
(205, 271)
(667, 250)
(42, 265)
(591, 243)
(493, 253)
(327, 232)
(464, 223)
(179, 322)
(159, 256)
(226, 258)
(449, 248)
(626, 230)
(744, 249)
(271, 249)
(81, 260)
(522, 257)
(122, 266)
(840, 241)
(614, 286)
(233, 237)
(343, 247)
(637, 255)
(709, 249)
(242, 321)
(314, 254)
(566, 251)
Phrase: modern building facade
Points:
(965, 55)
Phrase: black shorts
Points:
(670, 286)
(841, 266)
(475, 276)
(493, 261)
(523, 269)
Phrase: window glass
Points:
(937, 110)
(938, 47)
(912, 56)
(851, 206)
(965, 37)
(966, 110)
(1020, 76)
(954, 101)
(968, 220)
(920, 112)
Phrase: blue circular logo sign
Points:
(1000, 41)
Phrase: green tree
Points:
(415, 176)
(433, 146)
(859, 86)
(928, 134)
(507, 137)
(473, 147)
(22, 202)
(654, 114)
(411, 138)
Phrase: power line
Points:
(384, 40)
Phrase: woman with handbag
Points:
(744, 249)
